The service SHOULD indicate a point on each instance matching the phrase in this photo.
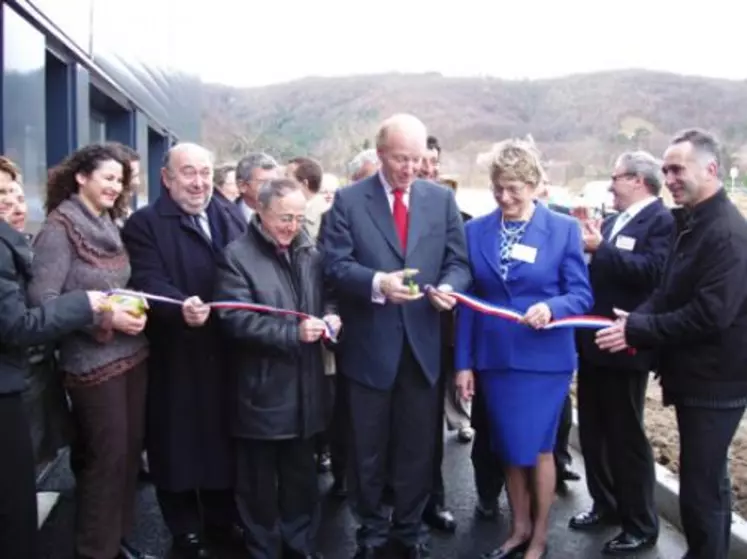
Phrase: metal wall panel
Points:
(24, 106)
(145, 55)
(144, 48)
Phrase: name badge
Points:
(623, 242)
(524, 253)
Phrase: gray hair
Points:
(363, 157)
(705, 145)
(249, 163)
(275, 188)
(644, 165)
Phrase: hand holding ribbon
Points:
(441, 298)
(537, 316)
(196, 312)
(613, 338)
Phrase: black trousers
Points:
(488, 469)
(705, 488)
(489, 476)
(562, 440)
(278, 497)
(438, 493)
(619, 463)
(18, 514)
(191, 512)
(392, 444)
(339, 429)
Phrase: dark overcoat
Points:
(187, 430)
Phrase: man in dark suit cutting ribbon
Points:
(377, 229)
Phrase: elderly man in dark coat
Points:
(173, 244)
(280, 393)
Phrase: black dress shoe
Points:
(487, 510)
(126, 551)
(506, 552)
(628, 544)
(192, 546)
(230, 535)
(439, 518)
(592, 520)
(368, 552)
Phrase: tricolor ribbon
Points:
(329, 334)
(478, 305)
(581, 321)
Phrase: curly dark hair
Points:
(61, 183)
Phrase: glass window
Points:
(24, 107)
(98, 128)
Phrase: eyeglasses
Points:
(512, 191)
(615, 178)
(287, 219)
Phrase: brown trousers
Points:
(110, 419)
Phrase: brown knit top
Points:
(76, 249)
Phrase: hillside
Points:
(580, 122)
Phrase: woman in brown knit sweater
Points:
(104, 367)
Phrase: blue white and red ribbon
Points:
(329, 334)
(581, 321)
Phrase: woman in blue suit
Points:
(530, 259)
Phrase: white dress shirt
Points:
(204, 223)
(246, 211)
(625, 217)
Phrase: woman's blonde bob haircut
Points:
(516, 160)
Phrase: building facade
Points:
(81, 71)
(76, 72)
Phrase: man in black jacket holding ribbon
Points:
(697, 320)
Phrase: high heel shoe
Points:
(506, 553)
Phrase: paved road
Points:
(472, 538)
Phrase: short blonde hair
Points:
(516, 160)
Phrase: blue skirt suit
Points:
(524, 374)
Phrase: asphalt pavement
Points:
(473, 537)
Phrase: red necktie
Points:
(399, 211)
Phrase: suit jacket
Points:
(624, 279)
(558, 277)
(358, 240)
(232, 207)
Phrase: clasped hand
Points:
(537, 316)
(195, 312)
(311, 329)
(613, 338)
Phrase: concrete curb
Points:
(666, 494)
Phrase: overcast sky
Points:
(258, 43)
